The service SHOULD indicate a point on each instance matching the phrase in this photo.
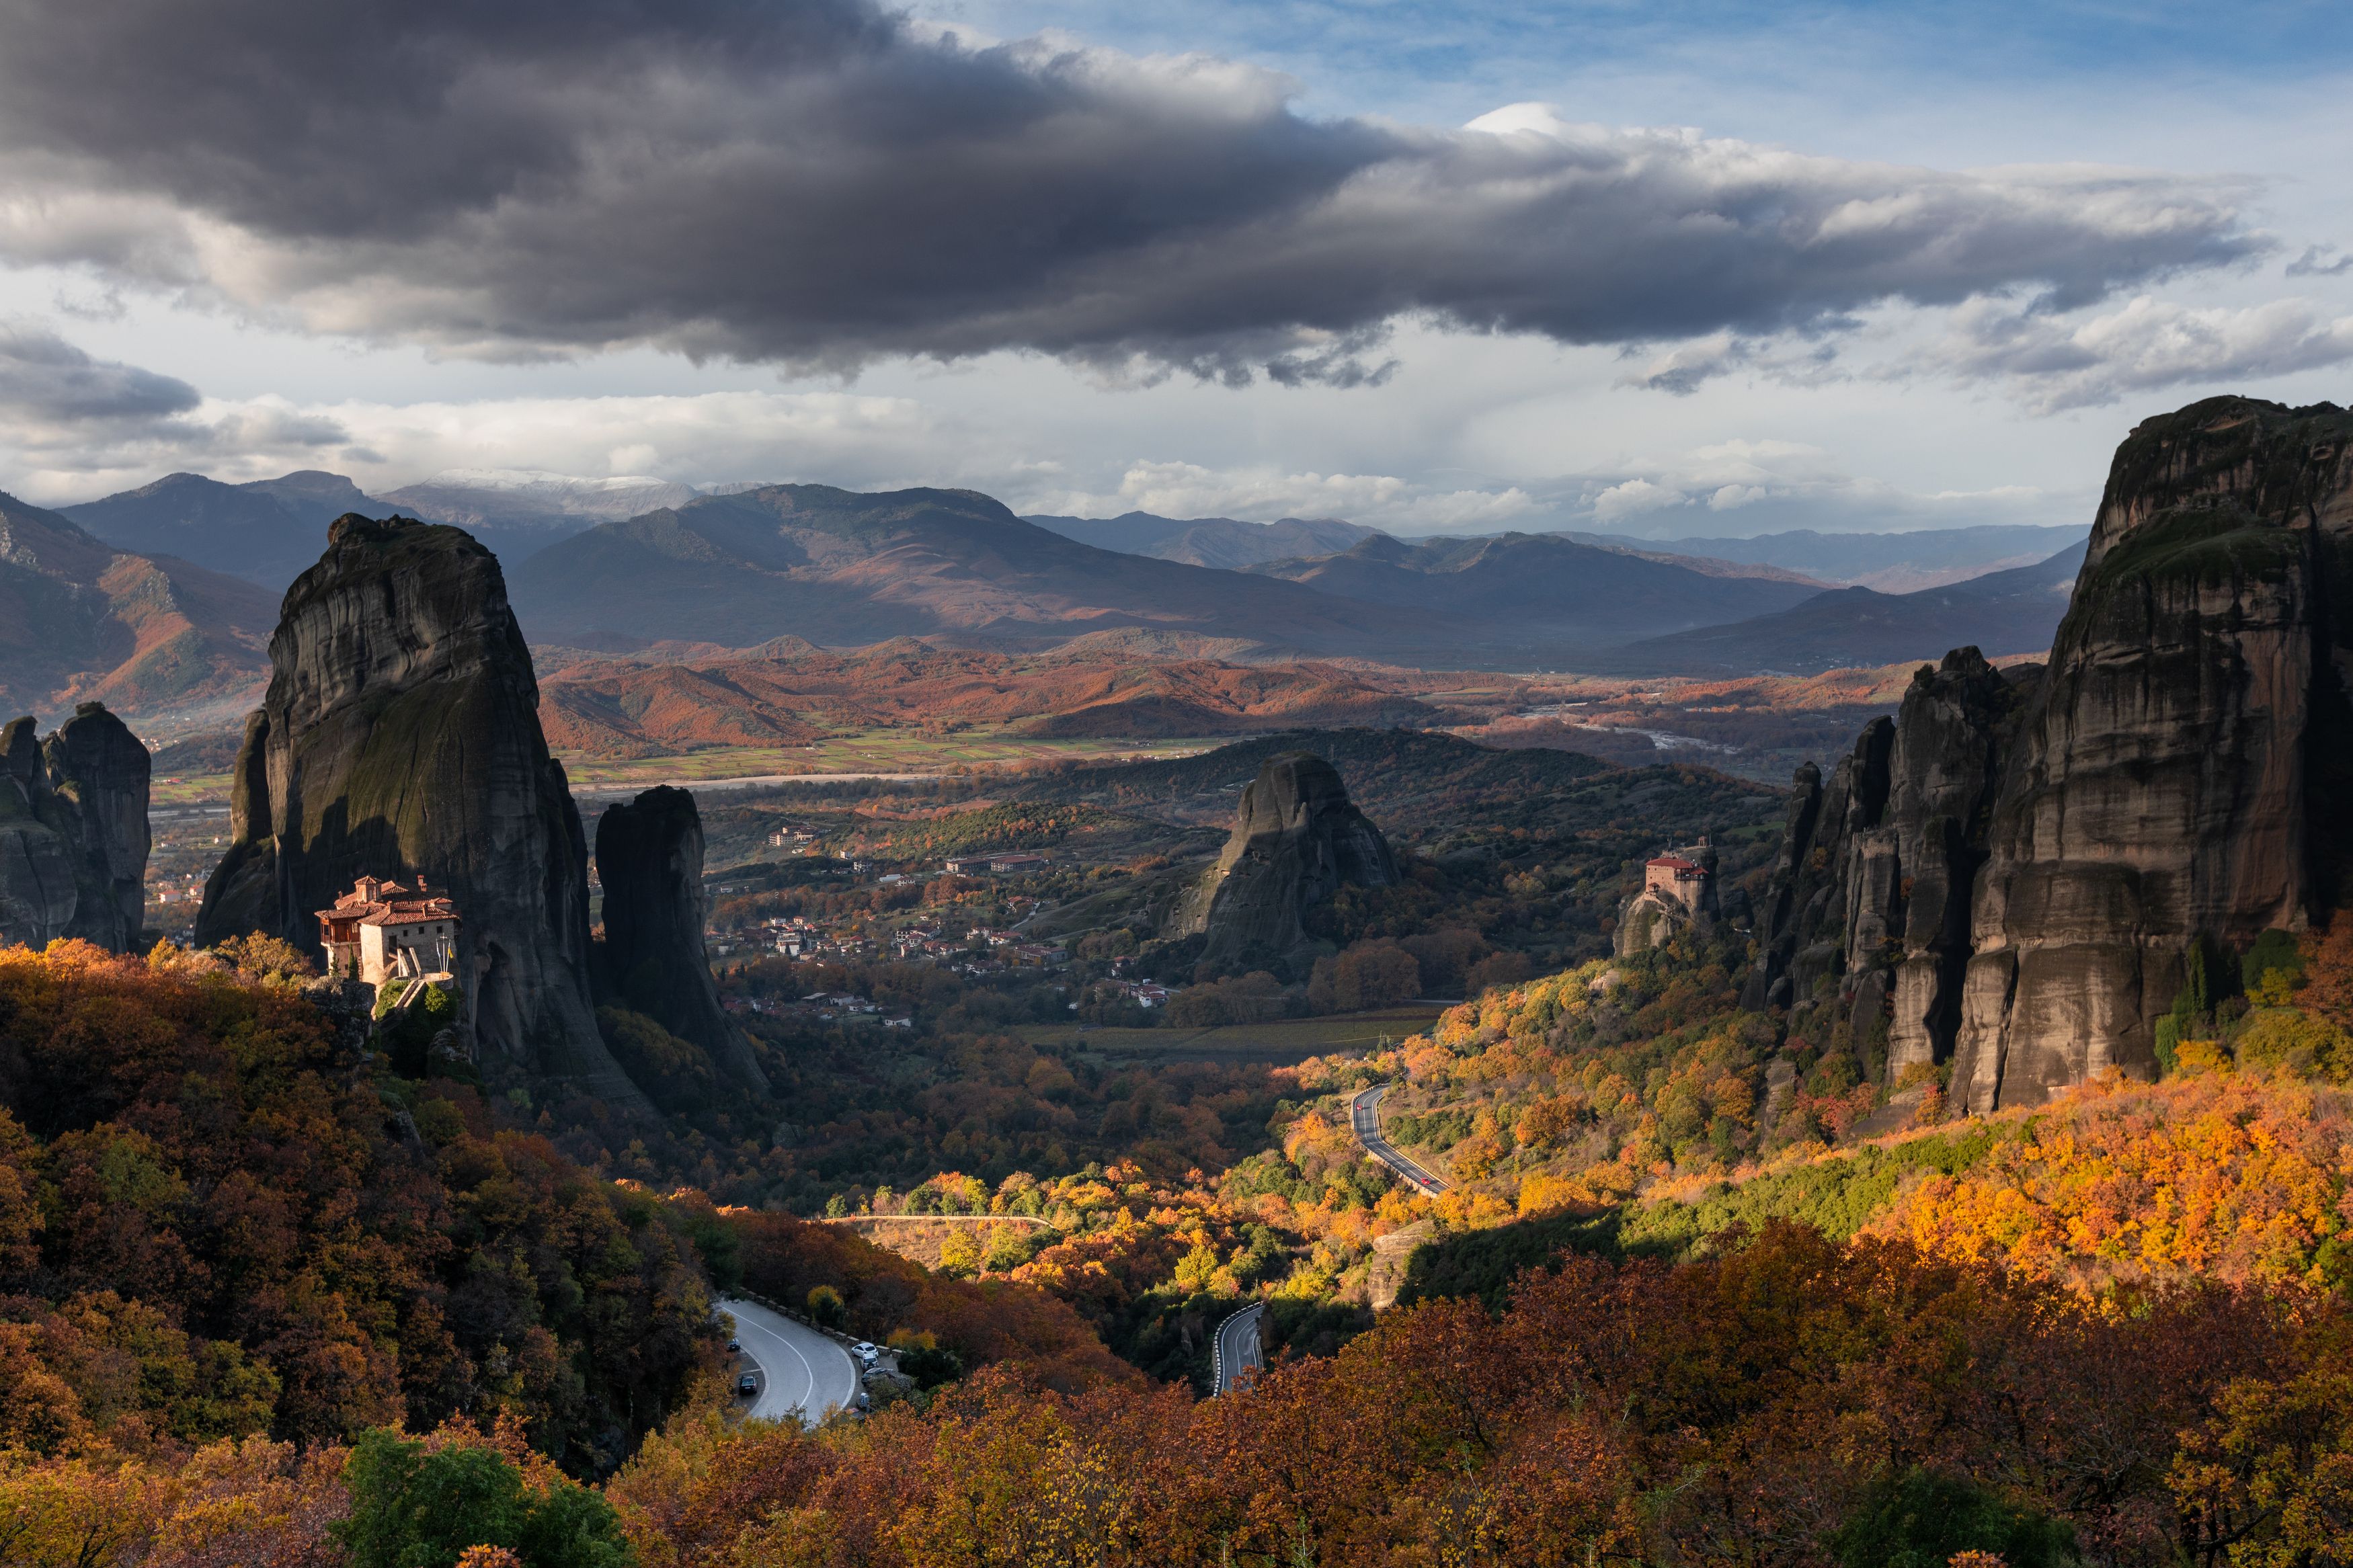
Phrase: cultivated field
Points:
(1285, 1040)
(881, 750)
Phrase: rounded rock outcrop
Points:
(1297, 840)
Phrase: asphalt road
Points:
(802, 1373)
(1365, 1111)
(1238, 1348)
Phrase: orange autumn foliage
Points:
(2230, 1176)
(216, 1220)
(982, 1320)
(1736, 1409)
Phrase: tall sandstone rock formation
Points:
(1296, 842)
(2011, 875)
(73, 831)
(400, 738)
(649, 861)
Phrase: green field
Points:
(1283, 1040)
(865, 752)
(189, 789)
(848, 751)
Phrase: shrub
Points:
(825, 1308)
(1923, 1519)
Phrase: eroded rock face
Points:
(650, 860)
(2183, 770)
(400, 738)
(1296, 841)
(2052, 844)
(97, 765)
(73, 831)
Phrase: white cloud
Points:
(1798, 358)
(837, 437)
(1632, 498)
(1261, 495)
(2050, 364)
(1762, 487)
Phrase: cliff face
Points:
(1296, 842)
(1870, 899)
(400, 737)
(73, 831)
(650, 859)
(2165, 788)
(2015, 888)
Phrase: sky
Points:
(1656, 268)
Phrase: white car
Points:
(865, 1353)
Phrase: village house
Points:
(1002, 860)
(382, 931)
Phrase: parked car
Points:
(865, 1352)
(747, 1385)
(734, 1348)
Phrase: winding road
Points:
(1365, 1113)
(802, 1373)
(1239, 1349)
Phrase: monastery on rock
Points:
(381, 930)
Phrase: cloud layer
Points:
(2051, 364)
(820, 184)
(48, 386)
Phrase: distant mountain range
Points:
(842, 568)
(2000, 613)
(847, 569)
(268, 532)
(1222, 542)
(82, 621)
(1890, 563)
(1534, 592)
(630, 565)
(521, 510)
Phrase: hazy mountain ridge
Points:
(1890, 563)
(82, 621)
(530, 508)
(846, 569)
(2010, 612)
(734, 566)
(1222, 541)
(1531, 590)
(268, 531)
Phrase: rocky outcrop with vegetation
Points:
(1296, 841)
(400, 738)
(2011, 879)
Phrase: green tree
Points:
(412, 1508)
(1922, 1520)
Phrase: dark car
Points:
(733, 1348)
(747, 1385)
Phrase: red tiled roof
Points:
(390, 906)
(1671, 863)
(403, 911)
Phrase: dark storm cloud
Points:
(46, 382)
(820, 183)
